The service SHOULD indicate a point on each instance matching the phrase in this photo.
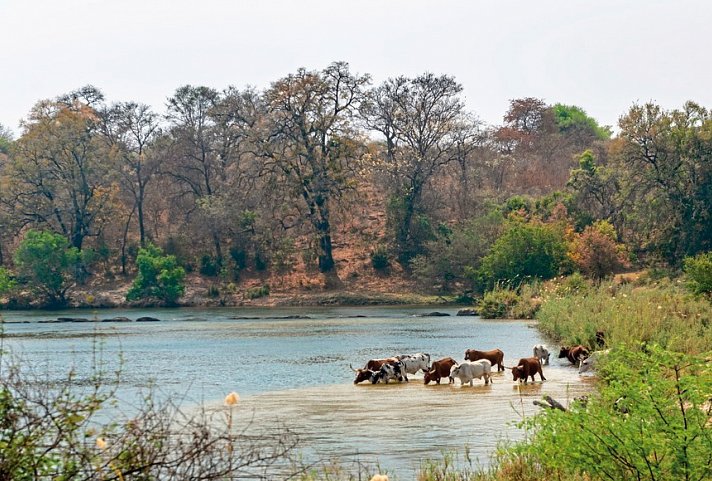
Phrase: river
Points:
(295, 372)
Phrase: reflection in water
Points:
(296, 372)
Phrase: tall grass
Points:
(664, 314)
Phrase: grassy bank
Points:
(664, 314)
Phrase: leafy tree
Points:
(46, 261)
(570, 118)
(699, 273)
(524, 251)
(595, 190)
(59, 176)
(159, 276)
(665, 161)
(6, 139)
(595, 251)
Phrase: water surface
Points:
(295, 371)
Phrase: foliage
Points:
(664, 159)
(159, 276)
(454, 259)
(570, 118)
(595, 251)
(46, 261)
(379, 258)
(507, 303)
(7, 282)
(650, 421)
(699, 273)
(664, 314)
(524, 251)
(209, 266)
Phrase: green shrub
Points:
(699, 273)
(47, 262)
(159, 277)
(209, 266)
(379, 258)
(525, 251)
(498, 303)
(7, 283)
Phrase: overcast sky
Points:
(601, 55)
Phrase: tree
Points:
(665, 160)
(59, 176)
(595, 251)
(6, 281)
(309, 143)
(132, 129)
(159, 277)
(524, 251)
(596, 190)
(45, 260)
(422, 121)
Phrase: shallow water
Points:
(296, 372)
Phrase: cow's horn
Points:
(354, 370)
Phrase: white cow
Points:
(591, 361)
(414, 363)
(541, 353)
(467, 371)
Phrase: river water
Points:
(295, 372)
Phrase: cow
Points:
(574, 354)
(527, 366)
(469, 370)
(371, 368)
(414, 363)
(591, 361)
(601, 339)
(440, 369)
(542, 353)
(387, 372)
(495, 356)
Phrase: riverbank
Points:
(274, 291)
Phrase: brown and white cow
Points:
(574, 354)
(371, 368)
(440, 369)
(528, 366)
(495, 356)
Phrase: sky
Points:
(601, 55)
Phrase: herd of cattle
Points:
(477, 365)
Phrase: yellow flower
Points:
(232, 399)
(100, 443)
(379, 477)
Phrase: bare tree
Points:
(308, 141)
(422, 120)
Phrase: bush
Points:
(7, 283)
(257, 292)
(596, 253)
(47, 262)
(650, 421)
(159, 277)
(699, 273)
(507, 303)
(209, 266)
(379, 258)
(525, 251)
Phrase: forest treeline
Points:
(238, 181)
